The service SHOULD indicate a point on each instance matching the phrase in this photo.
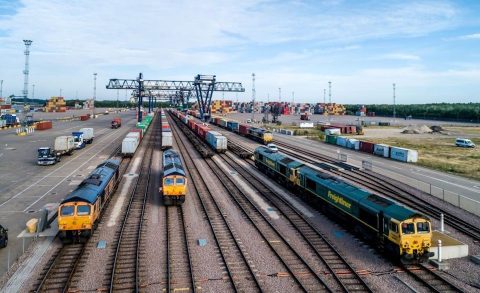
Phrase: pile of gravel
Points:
(416, 129)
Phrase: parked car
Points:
(272, 147)
(3, 237)
(464, 142)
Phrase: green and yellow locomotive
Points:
(396, 229)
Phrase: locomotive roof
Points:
(92, 187)
(172, 165)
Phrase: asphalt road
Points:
(25, 187)
(416, 176)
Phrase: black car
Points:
(3, 237)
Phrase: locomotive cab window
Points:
(408, 228)
(168, 181)
(423, 227)
(67, 211)
(83, 210)
(393, 227)
(179, 181)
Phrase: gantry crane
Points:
(203, 86)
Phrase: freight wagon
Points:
(232, 126)
(217, 141)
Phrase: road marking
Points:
(91, 158)
(48, 175)
(448, 182)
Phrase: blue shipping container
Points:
(232, 126)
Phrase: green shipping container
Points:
(332, 139)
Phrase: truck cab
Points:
(3, 237)
(78, 139)
(47, 156)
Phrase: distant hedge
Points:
(441, 111)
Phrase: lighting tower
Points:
(253, 97)
(1, 88)
(28, 43)
(329, 92)
(94, 93)
(394, 112)
(33, 91)
(324, 96)
(280, 94)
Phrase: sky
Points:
(429, 49)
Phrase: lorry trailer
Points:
(63, 145)
(87, 134)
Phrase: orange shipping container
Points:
(44, 125)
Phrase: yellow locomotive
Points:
(79, 212)
(174, 181)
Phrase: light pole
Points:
(394, 110)
(33, 91)
(253, 97)
(60, 92)
(94, 93)
(280, 94)
(1, 88)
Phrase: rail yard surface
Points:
(237, 230)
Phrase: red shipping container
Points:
(243, 129)
(5, 106)
(202, 131)
(137, 130)
(366, 147)
(217, 120)
(192, 125)
(44, 125)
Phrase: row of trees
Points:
(441, 111)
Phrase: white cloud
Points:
(469, 37)
(401, 56)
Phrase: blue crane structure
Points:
(202, 86)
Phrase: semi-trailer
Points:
(63, 145)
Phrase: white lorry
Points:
(87, 134)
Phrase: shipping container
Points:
(223, 123)
(332, 131)
(192, 125)
(202, 130)
(84, 117)
(87, 134)
(135, 135)
(167, 140)
(44, 125)
(64, 144)
(382, 150)
(139, 131)
(404, 155)
(243, 129)
(129, 146)
(232, 126)
(217, 141)
(332, 139)
(353, 143)
(366, 147)
(342, 141)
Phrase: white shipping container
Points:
(135, 135)
(167, 139)
(87, 134)
(342, 141)
(404, 155)
(306, 125)
(381, 150)
(333, 131)
(353, 143)
(129, 146)
(3, 123)
(64, 143)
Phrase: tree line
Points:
(437, 111)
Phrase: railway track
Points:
(307, 279)
(430, 279)
(239, 269)
(385, 186)
(124, 275)
(179, 272)
(61, 269)
(344, 275)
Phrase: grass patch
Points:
(441, 154)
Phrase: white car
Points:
(272, 147)
(464, 142)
